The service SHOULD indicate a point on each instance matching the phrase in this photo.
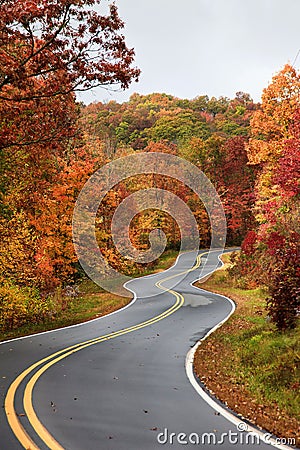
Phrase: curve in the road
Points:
(22, 386)
(54, 358)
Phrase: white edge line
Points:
(70, 326)
(97, 318)
(189, 362)
(189, 365)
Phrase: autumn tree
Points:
(236, 185)
(48, 51)
(52, 48)
(270, 255)
(271, 127)
(68, 41)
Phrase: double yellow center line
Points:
(54, 358)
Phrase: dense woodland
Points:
(50, 145)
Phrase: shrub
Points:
(19, 306)
(284, 302)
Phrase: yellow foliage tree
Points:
(270, 128)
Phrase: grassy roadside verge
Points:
(249, 365)
(91, 302)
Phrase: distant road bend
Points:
(118, 382)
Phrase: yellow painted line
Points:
(12, 417)
(39, 428)
(32, 417)
(198, 259)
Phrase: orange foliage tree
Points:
(271, 255)
(49, 50)
(271, 127)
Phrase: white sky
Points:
(214, 47)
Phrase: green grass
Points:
(91, 302)
(263, 359)
(80, 309)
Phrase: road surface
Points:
(119, 382)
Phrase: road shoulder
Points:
(228, 370)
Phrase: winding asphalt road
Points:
(118, 382)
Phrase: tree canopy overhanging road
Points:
(118, 382)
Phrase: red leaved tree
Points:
(49, 49)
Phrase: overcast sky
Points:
(214, 47)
